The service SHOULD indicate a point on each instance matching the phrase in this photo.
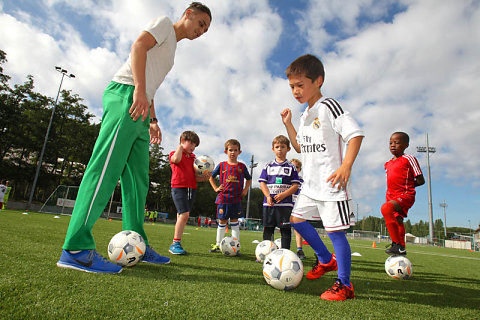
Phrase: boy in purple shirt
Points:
(279, 181)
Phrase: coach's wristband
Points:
(152, 120)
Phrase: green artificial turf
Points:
(204, 285)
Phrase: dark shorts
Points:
(229, 211)
(405, 201)
(183, 199)
(277, 216)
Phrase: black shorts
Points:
(183, 199)
(231, 211)
(277, 216)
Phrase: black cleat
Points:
(396, 249)
(301, 254)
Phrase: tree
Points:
(159, 196)
(24, 118)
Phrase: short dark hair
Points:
(403, 136)
(281, 139)
(190, 136)
(307, 65)
(198, 6)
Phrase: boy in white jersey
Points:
(122, 147)
(329, 140)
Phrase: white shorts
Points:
(335, 215)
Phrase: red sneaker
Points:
(320, 269)
(338, 292)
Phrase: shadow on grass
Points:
(431, 289)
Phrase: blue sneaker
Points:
(88, 261)
(176, 248)
(151, 256)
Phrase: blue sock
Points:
(343, 254)
(308, 232)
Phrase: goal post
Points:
(62, 201)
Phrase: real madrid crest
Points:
(316, 124)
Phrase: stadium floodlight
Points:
(252, 165)
(444, 205)
(429, 150)
(39, 164)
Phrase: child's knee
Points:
(387, 208)
(294, 219)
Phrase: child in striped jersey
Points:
(328, 139)
(403, 175)
(230, 192)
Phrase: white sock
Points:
(220, 233)
(235, 230)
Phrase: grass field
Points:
(202, 285)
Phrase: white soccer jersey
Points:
(324, 132)
(3, 190)
(160, 58)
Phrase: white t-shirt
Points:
(323, 135)
(160, 58)
(3, 190)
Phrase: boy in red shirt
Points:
(184, 185)
(403, 175)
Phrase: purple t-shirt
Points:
(279, 177)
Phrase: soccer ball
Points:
(126, 248)
(398, 267)
(203, 164)
(278, 242)
(283, 269)
(230, 246)
(264, 248)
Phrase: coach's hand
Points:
(155, 133)
(140, 106)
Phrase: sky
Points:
(405, 65)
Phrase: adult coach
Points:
(122, 147)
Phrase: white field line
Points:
(423, 252)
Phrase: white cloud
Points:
(416, 72)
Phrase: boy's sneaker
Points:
(151, 256)
(301, 254)
(176, 248)
(88, 261)
(339, 292)
(215, 248)
(396, 249)
(319, 269)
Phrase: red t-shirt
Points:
(183, 173)
(400, 175)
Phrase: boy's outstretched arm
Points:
(292, 133)
(343, 173)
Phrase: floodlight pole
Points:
(252, 165)
(429, 150)
(444, 205)
(39, 164)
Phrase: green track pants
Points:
(121, 151)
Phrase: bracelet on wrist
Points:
(153, 120)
